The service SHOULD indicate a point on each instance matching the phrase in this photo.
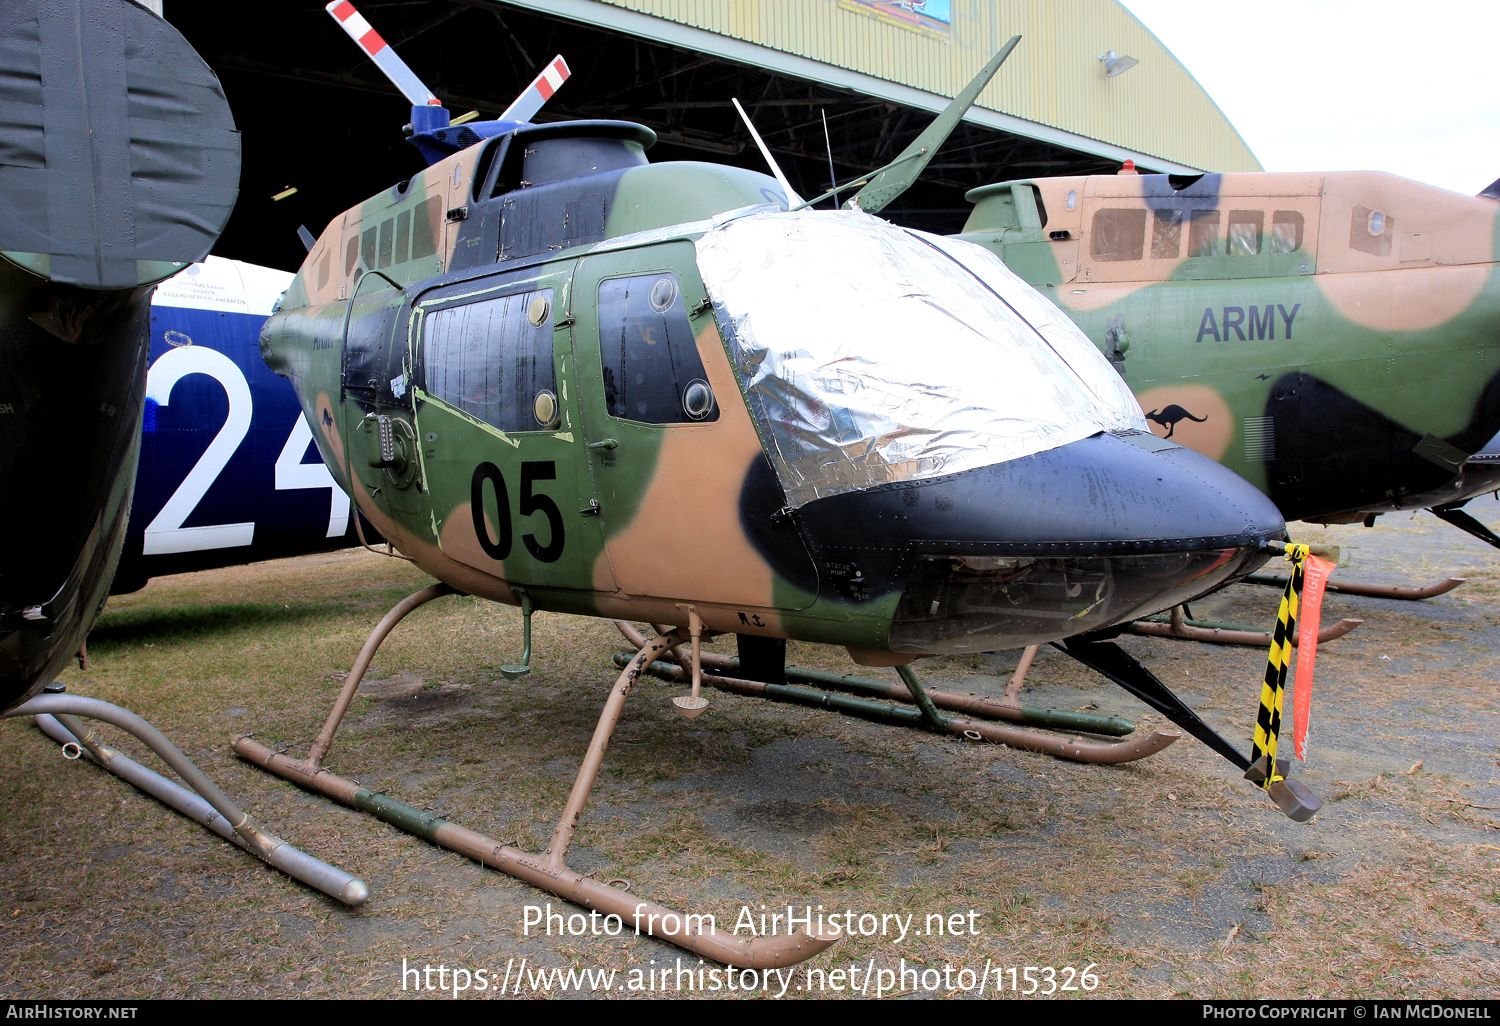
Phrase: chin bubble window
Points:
(955, 604)
(652, 371)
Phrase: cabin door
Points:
(676, 463)
(495, 410)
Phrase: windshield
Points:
(871, 354)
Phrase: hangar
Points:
(319, 119)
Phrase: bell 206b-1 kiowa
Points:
(558, 376)
(1334, 338)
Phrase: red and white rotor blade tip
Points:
(539, 92)
(379, 51)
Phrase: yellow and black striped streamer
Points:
(1268, 719)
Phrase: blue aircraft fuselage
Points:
(228, 472)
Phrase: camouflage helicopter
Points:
(1330, 337)
(558, 376)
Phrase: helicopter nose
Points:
(1066, 541)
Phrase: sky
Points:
(1337, 85)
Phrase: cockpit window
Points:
(871, 355)
(652, 371)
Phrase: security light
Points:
(1116, 65)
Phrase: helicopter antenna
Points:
(542, 87)
(828, 143)
(379, 51)
(899, 175)
(791, 194)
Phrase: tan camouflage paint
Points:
(1432, 262)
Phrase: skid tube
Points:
(547, 870)
(902, 715)
(1178, 628)
(1385, 591)
(924, 716)
(56, 714)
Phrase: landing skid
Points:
(1180, 628)
(1385, 591)
(901, 705)
(547, 870)
(1103, 656)
(56, 714)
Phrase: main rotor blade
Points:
(792, 199)
(892, 183)
(539, 92)
(379, 51)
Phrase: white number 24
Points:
(165, 534)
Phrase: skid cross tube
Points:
(1119, 666)
(387, 623)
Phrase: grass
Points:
(1170, 875)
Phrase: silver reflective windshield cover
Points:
(871, 354)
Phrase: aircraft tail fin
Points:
(899, 176)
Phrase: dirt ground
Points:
(1170, 877)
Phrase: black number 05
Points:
(530, 472)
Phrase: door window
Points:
(652, 371)
(372, 351)
(493, 360)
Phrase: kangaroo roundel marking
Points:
(1196, 416)
(1169, 416)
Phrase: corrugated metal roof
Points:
(1053, 80)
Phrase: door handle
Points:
(604, 443)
